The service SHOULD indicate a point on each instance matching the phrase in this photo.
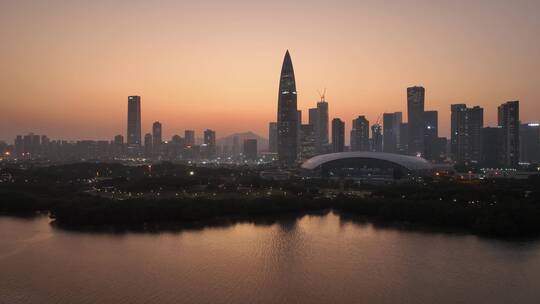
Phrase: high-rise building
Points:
(250, 149)
(440, 149)
(455, 110)
(321, 127)
(298, 125)
(45, 140)
(31, 145)
(307, 140)
(403, 145)
(175, 148)
(313, 117)
(415, 112)
(118, 143)
(492, 154)
(156, 138)
(508, 118)
(431, 134)
(338, 135)
(360, 134)
(148, 146)
(36, 145)
(376, 138)
(272, 137)
(287, 114)
(529, 143)
(134, 121)
(476, 124)
(391, 131)
(19, 145)
(4, 149)
(210, 143)
(119, 140)
(189, 137)
(28, 145)
(465, 138)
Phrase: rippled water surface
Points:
(316, 259)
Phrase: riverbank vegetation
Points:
(500, 208)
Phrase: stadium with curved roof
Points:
(366, 166)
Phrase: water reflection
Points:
(311, 259)
(156, 228)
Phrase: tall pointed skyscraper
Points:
(287, 114)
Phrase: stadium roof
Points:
(409, 162)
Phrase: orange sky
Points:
(67, 67)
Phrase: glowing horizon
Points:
(68, 67)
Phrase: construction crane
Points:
(322, 95)
(378, 119)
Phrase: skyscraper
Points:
(307, 140)
(440, 149)
(148, 146)
(210, 142)
(415, 112)
(250, 149)
(313, 121)
(31, 145)
(338, 135)
(134, 121)
(298, 126)
(431, 134)
(321, 127)
(360, 134)
(287, 114)
(492, 155)
(465, 138)
(391, 131)
(19, 146)
(403, 146)
(118, 145)
(189, 137)
(313, 117)
(272, 137)
(156, 138)
(175, 146)
(455, 110)
(476, 123)
(508, 118)
(529, 142)
(376, 138)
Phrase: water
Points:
(316, 259)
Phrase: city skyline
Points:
(285, 151)
(429, 119)
(190, 87)
(135, 106)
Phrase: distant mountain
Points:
(262, 142)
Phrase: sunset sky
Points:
(67, 67)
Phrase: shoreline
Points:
(267, 220)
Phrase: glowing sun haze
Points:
(67, 67)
